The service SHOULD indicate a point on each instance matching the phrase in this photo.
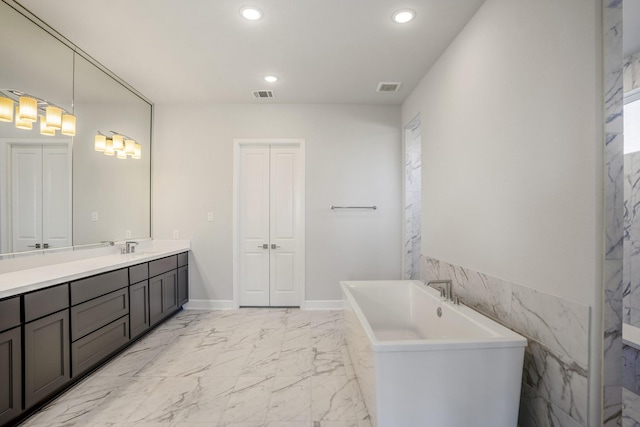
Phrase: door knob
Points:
(37, 246)
(264, 246)
(274, 246)
(45, 245)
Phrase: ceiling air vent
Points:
(260, 94)
(388, 86)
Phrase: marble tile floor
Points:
(251, 367)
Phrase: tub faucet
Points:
(448, 289)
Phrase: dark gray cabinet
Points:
(139, 308)
(163, 296)
(51, 337)
(99, 318)
(46, 357)
(11, 374)
(183, 285)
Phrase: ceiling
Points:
(323, 51)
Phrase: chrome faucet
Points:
(130, 247)
(447, 291)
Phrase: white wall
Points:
(353, 157)
(511, 147)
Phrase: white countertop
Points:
(21, 281)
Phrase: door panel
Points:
(26, 197)
(286, 225)
(254, 226)
(56, 197)
(270, 212)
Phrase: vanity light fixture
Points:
(108, 148)
(53, 117)
(403, 16)
(68, 125)
(129, 147)
(100, 142)
(29, 108)
(22, 124)
(118, 141)
(251, 13)
(44, 128)
(118, 144)
(271, 79)
(6, 109)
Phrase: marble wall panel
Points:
(556, 365)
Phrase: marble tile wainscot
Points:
(79, 318)
(555, 378)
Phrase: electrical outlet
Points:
(94, 216)
(210, 216)
(176, 234)
(127, 234)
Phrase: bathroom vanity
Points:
(56, 328)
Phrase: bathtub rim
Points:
(506, 337)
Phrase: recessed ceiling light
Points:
(403, 16)
(251, 13)
(271, 79)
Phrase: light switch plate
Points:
(210, 216)
(94, 216)
(176, 234)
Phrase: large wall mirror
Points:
(56, 190)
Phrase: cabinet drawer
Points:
(9, 313)
(183, 259)
(92, 315)
(138, 273)
(87, 352)
(92, 287)
(163, 265)
(46, 301)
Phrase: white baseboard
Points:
(206, 304)
(324, 304)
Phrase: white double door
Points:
(40, 197)
(270, 225)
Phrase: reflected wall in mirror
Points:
(56, 191)
(111, 196)
(35, 177)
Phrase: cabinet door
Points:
(170, 292)
(183, 285)
(155, 299)
(11, 374)
(46, 358)
(139, 306)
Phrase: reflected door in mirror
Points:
(41, 196)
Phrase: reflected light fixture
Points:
(138, 152)
(108, 148)
(100, 142)
(403, 16)
(22, 124)
(251, 13)
(44, 128)
(129, 147)
(118, 142)
(28, 109)
(68, 125)
(6, 109)
(53, 117)
(271, 79)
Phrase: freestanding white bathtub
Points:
(416, 369)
